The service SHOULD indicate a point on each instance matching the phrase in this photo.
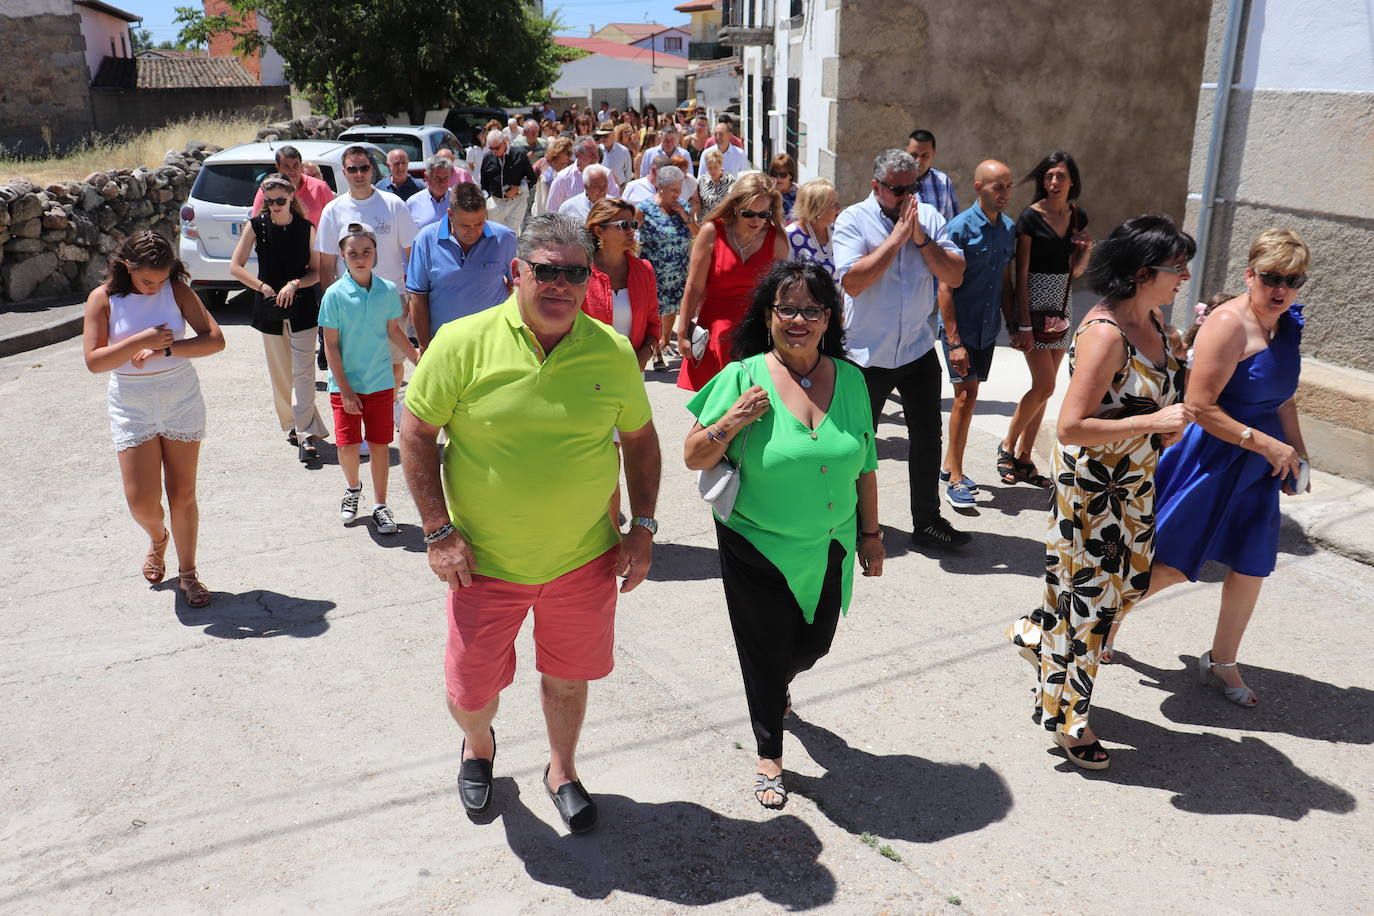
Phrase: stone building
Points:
(1294, 147)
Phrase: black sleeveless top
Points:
(283, 255)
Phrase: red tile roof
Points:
(623, 52)
(164, 73)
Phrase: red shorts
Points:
(574, 630)
(377, 416)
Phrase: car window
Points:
(389, 142)
(380, 169)
(230, 183)
(327, 173)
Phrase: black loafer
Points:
(474, 780)
(574, 805)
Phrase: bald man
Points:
(971, 314)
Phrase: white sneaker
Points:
(381, 517)
(348, 509)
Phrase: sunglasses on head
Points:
(276, 201)
(357, 169)
(754, 214)
(809, 312)
(901, 190)
(628, 225)
(548, 273)
(1292, 281)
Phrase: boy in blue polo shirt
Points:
(360, 313)
(971, 313)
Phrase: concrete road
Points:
(287, 748)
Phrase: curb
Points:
(55, 331)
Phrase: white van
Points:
(222, 197)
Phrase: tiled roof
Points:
(165, 73)
(624, 52)
(101, 7)
(171, 54)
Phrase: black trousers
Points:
(773, 639)
(919, 384)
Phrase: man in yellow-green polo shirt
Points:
(529, 393)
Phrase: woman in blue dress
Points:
(666, 232)
(1218, 489)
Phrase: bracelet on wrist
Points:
(872, 534)
(440, 533)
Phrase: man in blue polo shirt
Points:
(971, 312)
(460, 265)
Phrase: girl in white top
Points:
(135, 329)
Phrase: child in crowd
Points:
(359, 313)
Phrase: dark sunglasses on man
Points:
(357, 169)
(1292, 281)
(548, 273)
(901, 190)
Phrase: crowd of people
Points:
(534, 289)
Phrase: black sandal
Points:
(772, 784)
(291, 437)
(1026, 470)
(307, 451)
(1006, 466)
(1084, 755)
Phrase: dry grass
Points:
(99, 153)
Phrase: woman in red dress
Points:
(739, 243)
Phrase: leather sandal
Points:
(1091, 756)
(474, 779)
(1006, 466)
(197, 595)
(155, 563)
(1026, 470)
(574, 804)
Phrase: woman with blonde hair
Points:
(285, 308)
(815, 212)
(135, 329)
(737, 245)
(1218, 489)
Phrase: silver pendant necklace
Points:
(803, 379)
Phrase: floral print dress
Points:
(666, 243)
(1100, 542)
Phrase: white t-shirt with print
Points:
(388, 216)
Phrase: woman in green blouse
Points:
(808, 495)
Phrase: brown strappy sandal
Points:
(197, 595)
(155, 563)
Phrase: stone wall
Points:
(43, 81)
(57, 240)
(147, 109)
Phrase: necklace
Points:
(803, 378)
(743, 247)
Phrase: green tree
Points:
(398, 55)
(142, 40)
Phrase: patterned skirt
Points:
(1046, 294)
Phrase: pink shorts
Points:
(377, 416)
(574, 630)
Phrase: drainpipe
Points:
(1230, 54)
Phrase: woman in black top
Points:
(285, 307)
(1051, 249)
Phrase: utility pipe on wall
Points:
(1230, 54)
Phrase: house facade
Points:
(621, 74)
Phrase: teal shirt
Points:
(798, 487)
(360, 316)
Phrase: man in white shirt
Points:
(595, 180)
(431, 204)
(615, 156)
(732, 158)
(667, 146)
(646, 187)
(604, 115)
(890, 249)
(391, 221)
(568, 184)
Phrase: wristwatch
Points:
(922, 244)
(651, 524)
(167, 350)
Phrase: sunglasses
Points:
(276, 201)
(1167, 269)
(1292, 281)
(754, 214)
(810, 312)
(627, 225)
(779, 175)
(357, 169)
(901, 190)
(548, 273)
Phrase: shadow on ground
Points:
(678, 852)
(1209, 773)
(1290, 704)
(683, 563)
(253, 614)
(896, 796)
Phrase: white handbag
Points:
(719, 484)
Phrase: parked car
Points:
(222, 197)
(465, 122)
(419, 141)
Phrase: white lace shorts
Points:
(166, 404)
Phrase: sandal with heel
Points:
(197, 595)
(155, 563)
(1084, 755)
(1241, 696)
